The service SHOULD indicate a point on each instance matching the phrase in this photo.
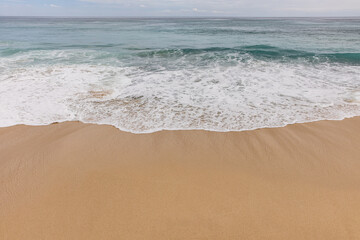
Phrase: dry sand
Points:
(82, 181)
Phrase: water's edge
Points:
(178, 129)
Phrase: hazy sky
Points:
(265, 8)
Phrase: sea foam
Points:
(246, 93)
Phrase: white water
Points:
(247, 95)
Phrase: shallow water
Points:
(144, 75)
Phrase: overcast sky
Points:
(194, 8)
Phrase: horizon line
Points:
(43, 16)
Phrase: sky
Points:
(178, 8)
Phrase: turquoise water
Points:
(144, 75)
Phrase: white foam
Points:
(246, 95)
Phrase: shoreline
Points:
(74, 180)
(175, 129)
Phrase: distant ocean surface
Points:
(145, 75)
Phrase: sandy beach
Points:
(83, 181)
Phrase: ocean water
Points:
(145, 75)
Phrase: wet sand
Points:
(83, 181)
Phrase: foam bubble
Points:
(222, 96)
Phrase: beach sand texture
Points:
(83, 181)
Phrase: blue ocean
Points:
(146, 75)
